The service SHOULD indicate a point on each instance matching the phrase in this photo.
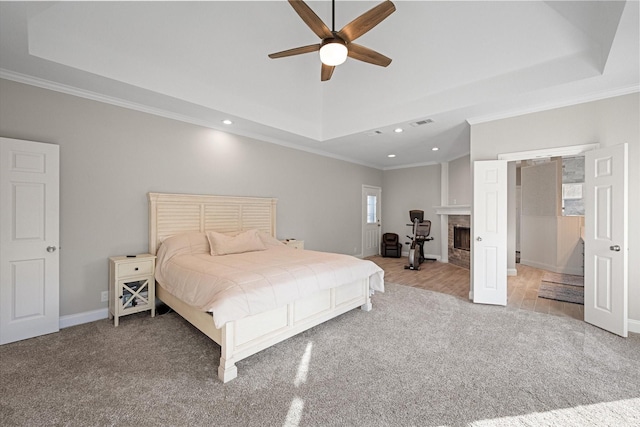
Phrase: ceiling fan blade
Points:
(366, 21)
(311, 19)
(326, 72)
(296, 51)
(365, 54)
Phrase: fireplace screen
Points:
(462, 238)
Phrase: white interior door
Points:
(489, 231)
(29, 233)
(606, 246)
(371, 224)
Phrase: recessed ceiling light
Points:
(398, 130)
(227, 122)
(435, 149)
(391, 156)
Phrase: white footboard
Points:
(244, 337)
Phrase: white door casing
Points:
(371, 222)
(489, 231)
(29, 235)
(606, 235)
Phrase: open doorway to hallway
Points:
(549, 213)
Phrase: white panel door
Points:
(29, 234)
(489, 231)
(371, 220)
(606, 246)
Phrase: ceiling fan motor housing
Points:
(333, 51)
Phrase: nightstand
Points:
(295, 244)
(131, 285)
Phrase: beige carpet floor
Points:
(420, 358)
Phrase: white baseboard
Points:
(512, 272)
(633, 326)
(86, 317)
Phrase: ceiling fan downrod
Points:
(333, 16)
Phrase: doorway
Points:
(571, 151)
(606, 219)
(549, 213)
(371, 221)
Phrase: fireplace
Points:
(459, 241)
(462, 238)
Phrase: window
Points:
(372, 216)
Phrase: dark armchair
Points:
(391, 246)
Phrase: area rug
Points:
(561, 292)
(565, 279)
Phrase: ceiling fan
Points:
(337, 45)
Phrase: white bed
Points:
(255, 322)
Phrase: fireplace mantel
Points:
(453, 210)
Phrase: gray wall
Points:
(540, 189)
(460, 181)
(407, 189)
(609, 122)
(111, 157)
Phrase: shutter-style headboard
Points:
(171, 214)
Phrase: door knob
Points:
(51, 248)
(615, 248)
(479, 239)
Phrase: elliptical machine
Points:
(421, 230)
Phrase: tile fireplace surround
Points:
(458, 257)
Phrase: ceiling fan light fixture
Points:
(333, 52)
(337, 45)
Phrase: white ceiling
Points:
(453, 62)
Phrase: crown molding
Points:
(596, 96)
(94, 96)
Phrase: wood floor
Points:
(522, 290)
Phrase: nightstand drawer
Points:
(135, 268)
(295, 244)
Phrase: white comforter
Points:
(239, 285)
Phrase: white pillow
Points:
(186, 243)
(247, 241)
(269, 240)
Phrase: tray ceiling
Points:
(452, 62)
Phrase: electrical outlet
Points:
(104, 296)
